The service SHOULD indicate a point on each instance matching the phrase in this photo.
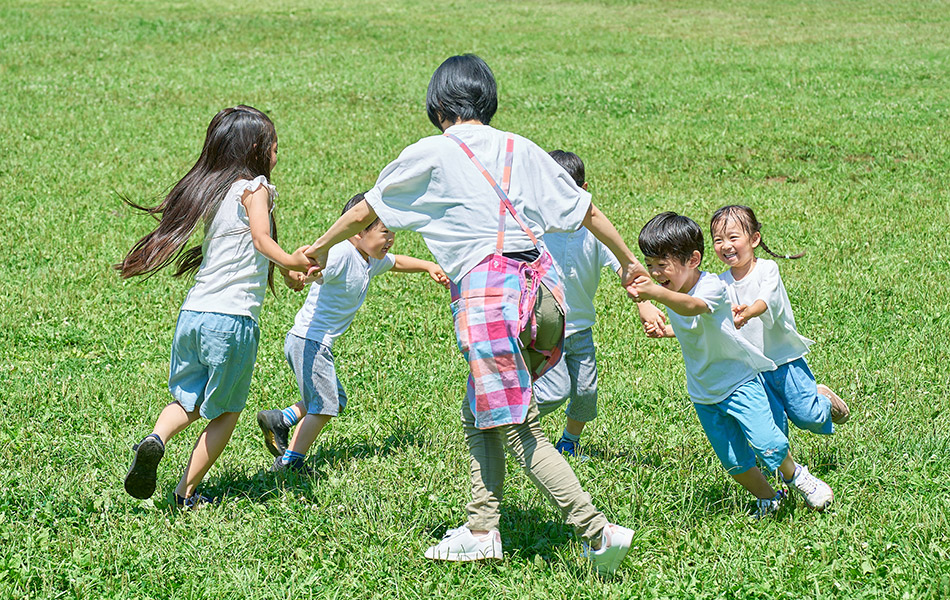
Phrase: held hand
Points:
(299, 260)
(740, 315)
(294, 280)
(631, 271)
(438, 275)
(652, 319)
(643, 288)
(317, 255)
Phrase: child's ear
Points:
(756, 239)
(584, 186)
(694, 260)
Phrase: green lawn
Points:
(829, 118)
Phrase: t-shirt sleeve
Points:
(711, 290)
(401, 184)
(378, 267)
(559, 204)
(337, 261)
(770, 285)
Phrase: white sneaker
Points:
(615, 542)
(816, 493)
(460, 545)
(766, 507)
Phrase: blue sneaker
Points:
(568, 447)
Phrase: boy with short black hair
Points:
(326, 314)
(721, 366)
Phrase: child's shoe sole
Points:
(143, 474)
(270, 425)
(840, 413)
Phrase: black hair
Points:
(669, 235)
(744, 216)
(353, 202)
(572, 163)
(462, 88)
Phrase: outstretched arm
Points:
(743, 313)
(598, 224)
(678, 302)
(349, 224)
(408, 264)
(257, 205)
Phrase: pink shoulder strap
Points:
(501, 190)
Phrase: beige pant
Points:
(544, 465)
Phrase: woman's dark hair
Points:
(462, 88)
(744, 216)
(669, 235)
(237, 146)
(571, 163)
(353, 202)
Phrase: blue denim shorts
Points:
(213, 356)
(794, 397)
(741, 427)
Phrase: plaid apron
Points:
(491, 305)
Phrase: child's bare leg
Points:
(574, 427)
(307, 431)
(787, 468)
(754, 481)
(300, 409)
(208, 448)
(172, 421)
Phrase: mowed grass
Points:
(829, 118)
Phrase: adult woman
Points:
(506, 296)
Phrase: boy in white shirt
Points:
(721, 366)
(326, 314)
(580, 258)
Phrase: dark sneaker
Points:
(193, 501)
(142, 475)
(295, 466)
(274, 430)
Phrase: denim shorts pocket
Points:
(216, 347)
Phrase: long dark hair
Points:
(744, 216)
(237, 146)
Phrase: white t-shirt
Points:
(718, 360)
(580, 257)
(435, 189)
(773, 332)
(232, 277)
(331, 305)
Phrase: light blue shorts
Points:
(794, 397)
(213, 356)
(312, 364)
(741, 427)
(574, 377)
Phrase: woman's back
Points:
(435, 189)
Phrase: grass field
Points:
(830, 118)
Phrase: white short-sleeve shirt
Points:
(718, 359)
(435, 189)
(581, 258)
(232, 278)
(773, 332)
(331, 305)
